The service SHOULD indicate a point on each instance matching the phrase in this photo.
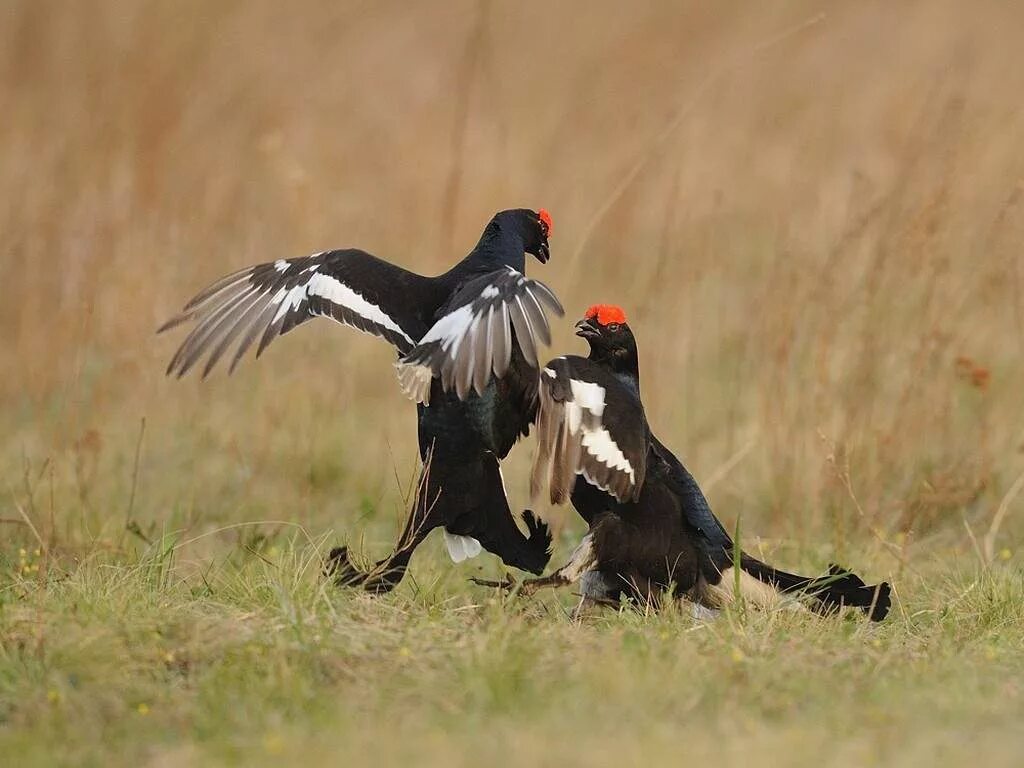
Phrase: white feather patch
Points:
(337, 292)
(599, 444)
(415, 381)
(461, 547)
(588, 395)
(451, 329)
(457, 325)
(288, 299)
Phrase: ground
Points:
(116, 659)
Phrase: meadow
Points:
(813, 214)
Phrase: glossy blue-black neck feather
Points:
(504, 243)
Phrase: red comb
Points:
(546, 218)
(606, 314)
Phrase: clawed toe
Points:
(508, 583)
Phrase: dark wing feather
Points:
(268, 300)
(472, 336)
(589, 424)
(697, 514)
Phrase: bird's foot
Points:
(524, 588)
(508, 583)
(339, 567)
(382, 582)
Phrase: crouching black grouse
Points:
(451, 332)
(651, 528)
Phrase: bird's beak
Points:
(587, 330)
(543, 252)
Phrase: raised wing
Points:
(268, 300)
(473, 335)
(589, 424)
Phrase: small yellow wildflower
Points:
(738, 655)
(143, 709)
(1005, 553)
(53, 696)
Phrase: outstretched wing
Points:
(590, 423)
(473, 335)
(268, 300)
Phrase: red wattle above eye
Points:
(606, 314)
(545, 217)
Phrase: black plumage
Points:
(451, 332)
(651, 528)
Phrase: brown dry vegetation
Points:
(818, 239)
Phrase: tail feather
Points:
(839, 587)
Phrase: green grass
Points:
(133, 658)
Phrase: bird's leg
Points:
(387, 573)
(339, 568)
(383, 577)
(598, 589)
(583, 559)
(554, 580)
(527, 586)
(508, 583)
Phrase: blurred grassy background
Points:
(822, 259)
(818, 242)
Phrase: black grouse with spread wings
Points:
(467, 343)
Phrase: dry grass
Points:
(822, 260)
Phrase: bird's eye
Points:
(613, 327)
